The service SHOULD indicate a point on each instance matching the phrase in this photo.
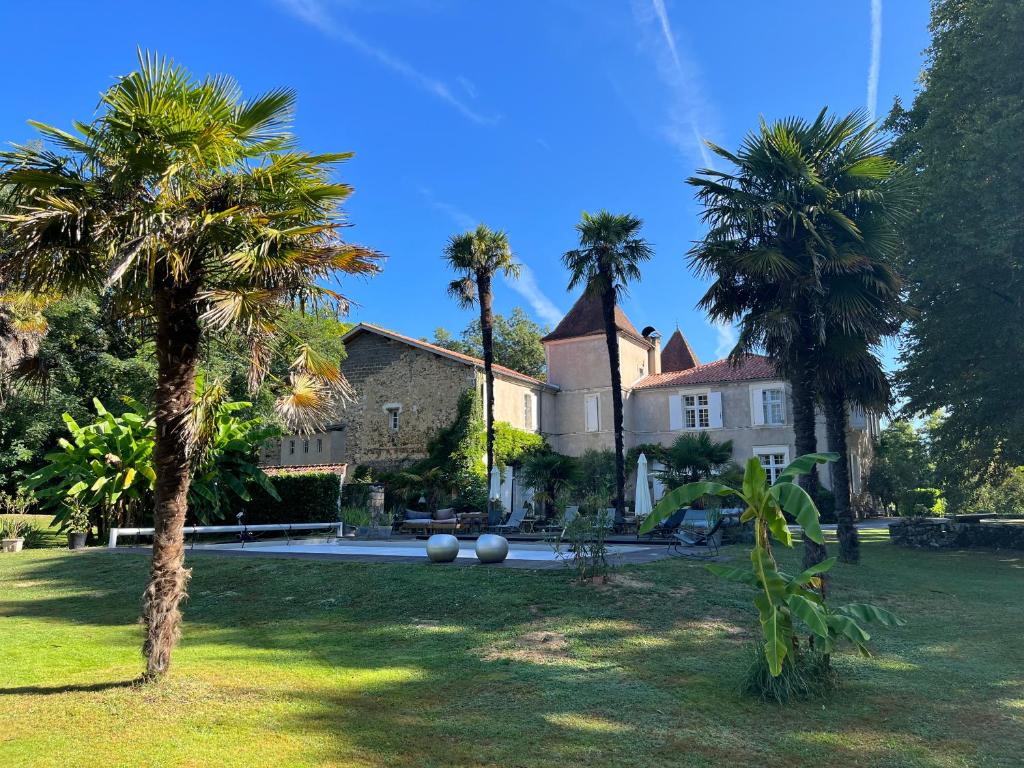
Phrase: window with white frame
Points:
(773, 458)
(528, 410)
(773, 406)
(319, 445)
(593, 413)
(696, 412)
(394, 415)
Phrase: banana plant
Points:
(783, 601)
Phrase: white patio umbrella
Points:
(495, 487)
(642, 501)
(494, 497)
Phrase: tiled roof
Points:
(678, 355)
(586, 318)
(720, 371)
(442, 351)
(301, 468)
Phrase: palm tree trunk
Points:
(483, 284)
(835, 420)
(177, 350)
(612, 338)
(805, 438)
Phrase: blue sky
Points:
(520, 115)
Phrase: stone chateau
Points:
(409, 389)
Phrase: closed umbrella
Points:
(493, 497)
(642, 500)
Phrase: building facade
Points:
(407, 390)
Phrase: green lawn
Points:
(290, 662)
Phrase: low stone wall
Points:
(951, 534)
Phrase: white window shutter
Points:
(592, 413)
(675, 413)
(534, 420)
(715, 410)
(757, 406)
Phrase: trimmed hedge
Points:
(306, 497)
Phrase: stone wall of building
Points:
(389, 375)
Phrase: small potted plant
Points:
(77, 523)
(12, 534)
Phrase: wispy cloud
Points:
(317, 14)
(526, 285)
(688, 108)
(726, 337)
(456, 214)
(876, 57)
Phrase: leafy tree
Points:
(516, 339)
(782, 600)
(608, 258)
(901, 464)
(82, 352)
(190, 209)
(799, 244)
(963, 256)
(477, 257)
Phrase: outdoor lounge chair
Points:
(699, 542)
(514, 522)
(667, 527)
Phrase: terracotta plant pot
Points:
(11, 545)
(76, 540)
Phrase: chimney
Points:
(654, 353)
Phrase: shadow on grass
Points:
(37, 690)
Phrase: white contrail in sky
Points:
(316, 14)
(726, 337)
(680, 76)
(876, 57)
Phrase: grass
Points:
(296, 663)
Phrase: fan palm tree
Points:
(692, 457)
(608, 258)
(806, 204)
(549, 474)
(193, 212)
(478, 256)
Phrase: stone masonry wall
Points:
(948, 534)
(384, 372)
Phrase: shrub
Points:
(306, 497)
(354, 516)
(586, 538)
(920, 502)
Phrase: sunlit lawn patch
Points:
(289, 662)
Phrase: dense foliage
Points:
(964, 256)
(106, 467)
(901, 463)
(301, 497)
(516, 340)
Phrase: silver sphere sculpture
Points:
(442, 548)
(491, 548)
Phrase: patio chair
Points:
(667, 527)
(689, 539)
(568, 516)
(513, 524)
